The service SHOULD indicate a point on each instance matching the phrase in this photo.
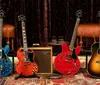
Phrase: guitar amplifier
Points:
(43, 58)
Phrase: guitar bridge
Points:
(98, 62)
(68, 57)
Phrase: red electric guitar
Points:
(26, 65)
(67, 61)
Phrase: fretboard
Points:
(71, 46)
(79, 14)
(1, 23)
(24, 37)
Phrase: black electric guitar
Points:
(94, 62)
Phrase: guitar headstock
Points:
(79, 13)
(22, 18)
(1, 13)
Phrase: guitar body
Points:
(67, 62)
(94, 62)
(26, 68)
(5, 63)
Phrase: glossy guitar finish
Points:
(67, 61)
(26, 68)
(94, 62)
(5, 62)
(26, 65)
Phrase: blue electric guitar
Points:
(5, 63)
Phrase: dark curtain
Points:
(48, 18)
(36, 12)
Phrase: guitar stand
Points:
(55, 76)
(21, 76)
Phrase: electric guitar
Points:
(5, 63)
(67, 61)
(26, 65)
(94, 62)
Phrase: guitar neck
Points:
(71, 46)
(24, 37)
(1, 23)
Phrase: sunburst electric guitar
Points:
(67, 61)
(94, 62)
(5, 62)
(26, 65)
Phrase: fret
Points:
(23, 31)
(24, 36)
(71, 46)
(22, 18)
(24, 40)
(25, 44)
